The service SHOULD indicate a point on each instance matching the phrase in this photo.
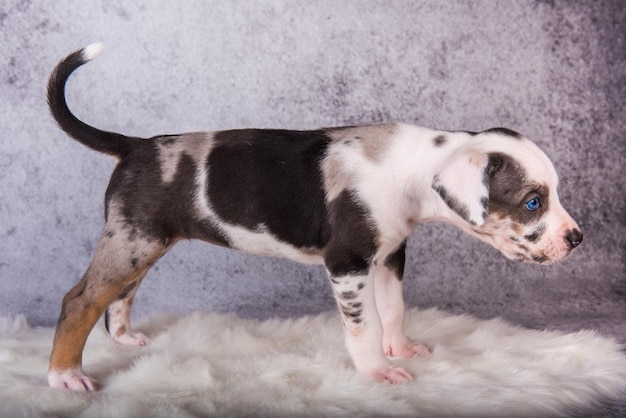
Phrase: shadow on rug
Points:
(216, 365)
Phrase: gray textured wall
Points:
(553, 70)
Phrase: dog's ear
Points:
(463, 184)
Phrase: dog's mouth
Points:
(513, 249)
(545, 256)
(532, 258)
(516, 250)
(534, 248)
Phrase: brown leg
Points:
(122, 257)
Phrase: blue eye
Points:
(533, 204)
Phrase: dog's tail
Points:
(107, 142)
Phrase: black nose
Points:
(574, 238)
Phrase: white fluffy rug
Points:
(220, 365)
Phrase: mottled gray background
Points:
(553, 70)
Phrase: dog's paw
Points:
(132, 338)
(392, 374)
(407, 350)
(419, 349)
(74, 380)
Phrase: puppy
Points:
(346, 198)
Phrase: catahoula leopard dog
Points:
(345, 197)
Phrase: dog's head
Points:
(504, 188)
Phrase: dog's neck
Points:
(402, 191)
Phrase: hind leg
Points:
(122, 258)
(117, 318)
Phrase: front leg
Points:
(390, 304)
(363, 331)
(349, 255)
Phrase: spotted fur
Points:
(346, 198)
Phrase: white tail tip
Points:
(93, 51)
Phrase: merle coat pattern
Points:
(346, 198)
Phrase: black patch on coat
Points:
(353, 239)
(155, 210)
(271, 177)
(348, 295)
(504, 131)
(509, 190)
(453, 203)
(106, 321)
(439, 140)
(352, 311)
(484, 202)
(395, 261)
(536, 234)
(126, 291)
(539, 258)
